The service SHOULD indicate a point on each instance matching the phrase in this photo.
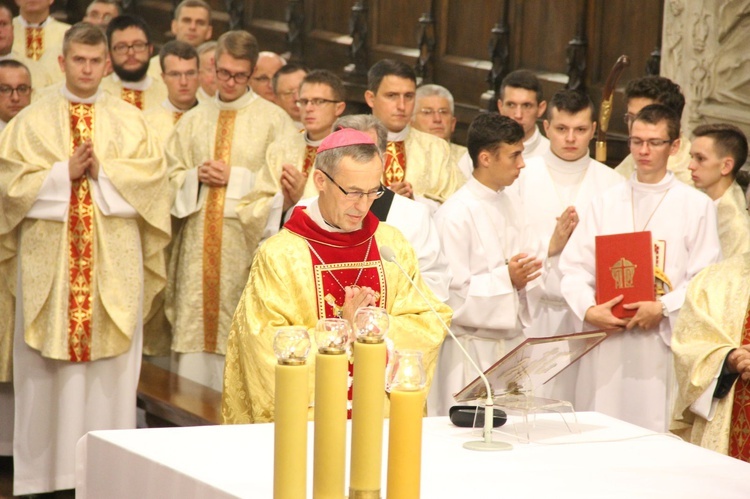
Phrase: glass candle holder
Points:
(371, 324)
(291, 344)
(407, 372)
(332, 335)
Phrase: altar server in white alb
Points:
(554, 188)
(630, 375)
(496, 267)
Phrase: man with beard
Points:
(129, 50)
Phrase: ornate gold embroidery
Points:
(81, 240)
(212, 232)
(134, 97)
(311, 152)
(395, 163)
(34, 43)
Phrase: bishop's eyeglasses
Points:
(357, 195)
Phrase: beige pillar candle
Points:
(331, 386)
(290, 404)
(368, 398)
(406, 383)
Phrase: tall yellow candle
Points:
(329, 465)
(405, 444)
(367, 419)
(290, 405)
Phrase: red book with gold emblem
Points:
(624, 266)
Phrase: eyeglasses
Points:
(239, 78)
(177, 75)
(428, 111)
(7, 91)
(357, 195)
(652, 143)
(123, 48)
(315, 102)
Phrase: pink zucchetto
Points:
(344, 137)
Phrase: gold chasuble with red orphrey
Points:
(34, 43)
(341, 259)
(739, 433)
(81, 240)
(311, 152)
(212, 232)
(134, 97)
(395, 163)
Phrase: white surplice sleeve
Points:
(53, 200)
(481, 297)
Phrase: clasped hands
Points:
(356, 297)
(738, 361)
(648, 315)
(214, 173)
(83, 160)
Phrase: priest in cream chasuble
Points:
(326, 263)
(213, 157)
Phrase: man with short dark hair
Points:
(213, 157)
(495, 261)
(629, 376)
(87, 223)
(340, 241)
(286, 83)
(717, 153)
(37, 41)
(129, 51)
(179, 62)
(554, 188)
(15, 90)
(417, 164)
(647, 90)
(191, 24)
(521, 99)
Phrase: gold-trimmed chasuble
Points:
(395, 163)
(311, 152)
(739, 430)
(213, 224)
(81, 240)
(134, 97)
(34, 43)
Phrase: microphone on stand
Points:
(486, 444)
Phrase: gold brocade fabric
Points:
(134, 97)
(41, 61)
(710, 324)
(281, 291)
(311, 153)
(739, 432)
(429, 170)
(395, 163)
(150, 98)
(457, 152)
(290, 149)
(258, 123)
(34, 43)
(81, 240)
(128, 253)
(677, 164)
(212, 229)
(733, 222)
(162, 121)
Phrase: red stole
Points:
(340, 256)
(311, 152)
(739, 431)
(34, 43)
(81, 241)
(134, 97)
(395, 163)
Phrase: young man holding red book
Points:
(629, 375)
